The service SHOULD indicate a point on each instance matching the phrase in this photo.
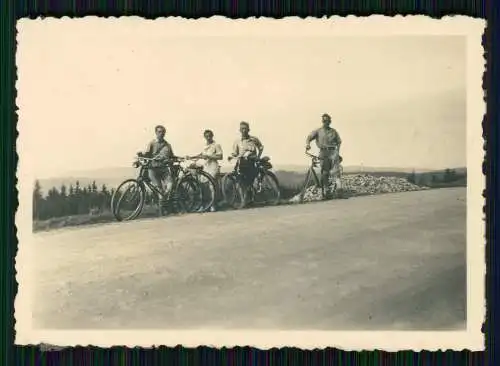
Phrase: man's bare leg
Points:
(158, 181)
(325, 182)
(335, 173)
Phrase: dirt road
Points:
(388, 262)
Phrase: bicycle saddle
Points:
(195, 166)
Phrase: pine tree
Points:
(63, 200)
(63, 191)
(411, 177)
(103, 197)
(37, 200)
(449, 175)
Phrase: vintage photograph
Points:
(225, 176)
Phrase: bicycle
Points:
(311, 174)
(186, 193)
(208, 183)
(238, 194)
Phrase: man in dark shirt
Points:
(328, 141)
(160, 150)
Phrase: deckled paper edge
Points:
(375, 25)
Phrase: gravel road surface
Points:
(387, 262)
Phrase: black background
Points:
(12, 10)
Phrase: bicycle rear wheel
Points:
(232, 191)
(127, 201)
(189, 195)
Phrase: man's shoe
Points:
(164, 205)
(161, 211)
(341, 194)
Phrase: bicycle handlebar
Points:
(312, 156)
(175, 159)
(144, 159)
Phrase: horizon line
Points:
(276, 167)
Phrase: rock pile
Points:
(361, 184)
(365, 184)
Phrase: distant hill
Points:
(113, 176)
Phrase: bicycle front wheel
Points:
(127, 201)
(311, 189)
(232, 191)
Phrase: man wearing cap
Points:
(249, 149)
(328, 141)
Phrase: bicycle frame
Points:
(177, 171)
(143, 177)
(254, 188)
(311, 173)
(260, 169)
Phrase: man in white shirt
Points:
(212, 154)
(248, 149)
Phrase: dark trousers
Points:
(248, 170)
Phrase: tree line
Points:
(448, 176)
(72, 200)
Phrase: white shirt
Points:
(211, 163)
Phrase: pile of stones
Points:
(365, 184)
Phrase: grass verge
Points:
(287, 192)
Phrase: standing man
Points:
(328, 141)
(160, 150)
(248, 149)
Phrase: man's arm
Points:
(312, 136)
(215, 155)
(148, 151)
(218, 153)
(260, 147)
(338, 140)
(236, 149)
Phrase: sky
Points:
(89, 97)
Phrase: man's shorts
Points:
(329, 157)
